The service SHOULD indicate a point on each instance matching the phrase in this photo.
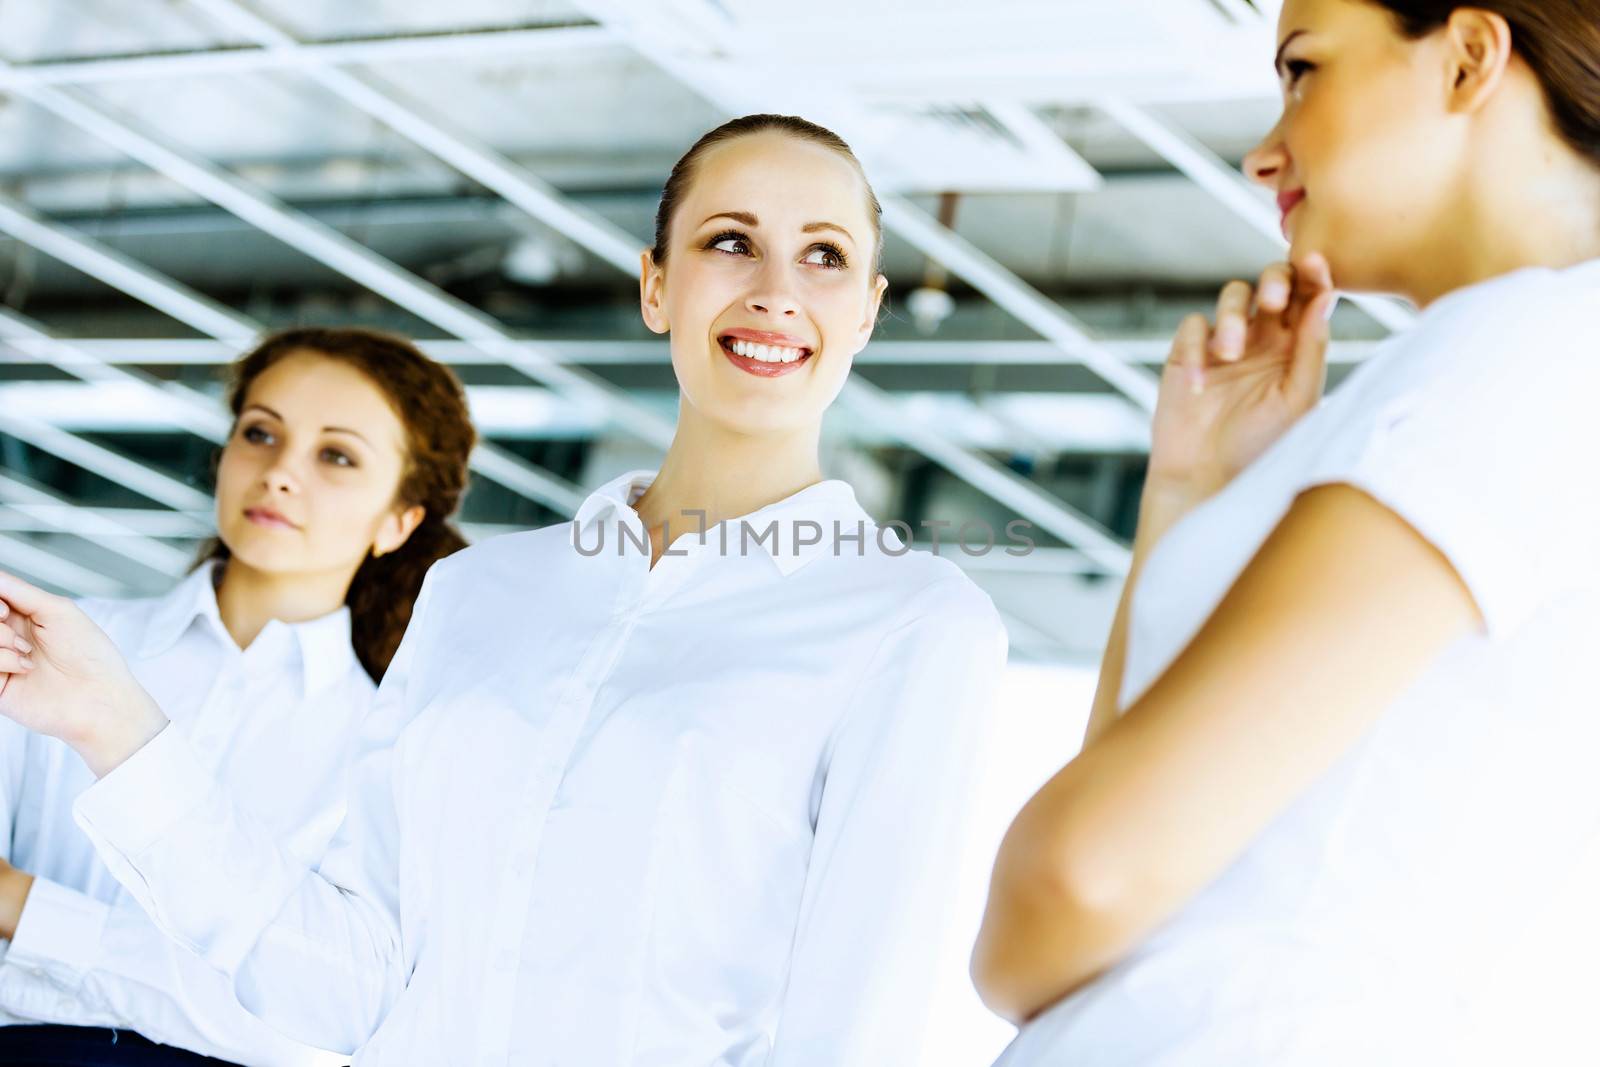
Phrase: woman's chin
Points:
(254, 549)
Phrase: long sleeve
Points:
(890, 829)
(80, 961)
(315, 953)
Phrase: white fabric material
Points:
(1354, 929)
(276, 722)
(704, 813)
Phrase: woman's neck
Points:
(724, 474)
(1543, 213)
(248, 599)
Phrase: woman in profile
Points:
(1345, 733)
(347, 458)
(679, 782)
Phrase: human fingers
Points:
(1233, 321)
(14, 662)
(1275, 288)
(1188, 354)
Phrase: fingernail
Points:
(27, 664)
(23, 645)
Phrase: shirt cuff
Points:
(60, 931)
(146, 795)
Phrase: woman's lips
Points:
(1287, 202)
(270, 518)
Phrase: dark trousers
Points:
(91, 1046)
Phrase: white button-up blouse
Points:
(277, 722)
(705, 813)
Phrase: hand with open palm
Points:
(61, 675)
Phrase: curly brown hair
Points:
(439, 440)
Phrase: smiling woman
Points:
(694, 804)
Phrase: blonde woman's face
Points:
(308, 480)
(769, 289)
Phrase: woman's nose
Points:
(773, 294)
(278, 478)
(1265, 163)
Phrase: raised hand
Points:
(1229, 391)
(60, 675)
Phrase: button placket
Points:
(207, 725)
(514, 896)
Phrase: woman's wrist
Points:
(1164, 502)
(14, 887)
(118, 732)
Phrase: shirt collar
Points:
(823, 503)
(323, 644)
(193, 598)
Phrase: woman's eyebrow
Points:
(814, 227)
(737, 216)
(352, 433)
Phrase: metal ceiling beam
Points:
(515, 43)
(50, 570)
(997, 482)
(226, 326)
(1231, 189)
(528, 193)
(1017, 297)
(114, 466)
(55, 513)
(655, 30)
(588, 230)
(166, 295)
(191, 410)
(355, 261)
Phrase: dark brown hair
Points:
(683, 172)
(1559, 39)
(432, 407)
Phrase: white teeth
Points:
(764, 353)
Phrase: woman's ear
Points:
(652, 292)
(1479, 49)
(397, 529)
(874, 306)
